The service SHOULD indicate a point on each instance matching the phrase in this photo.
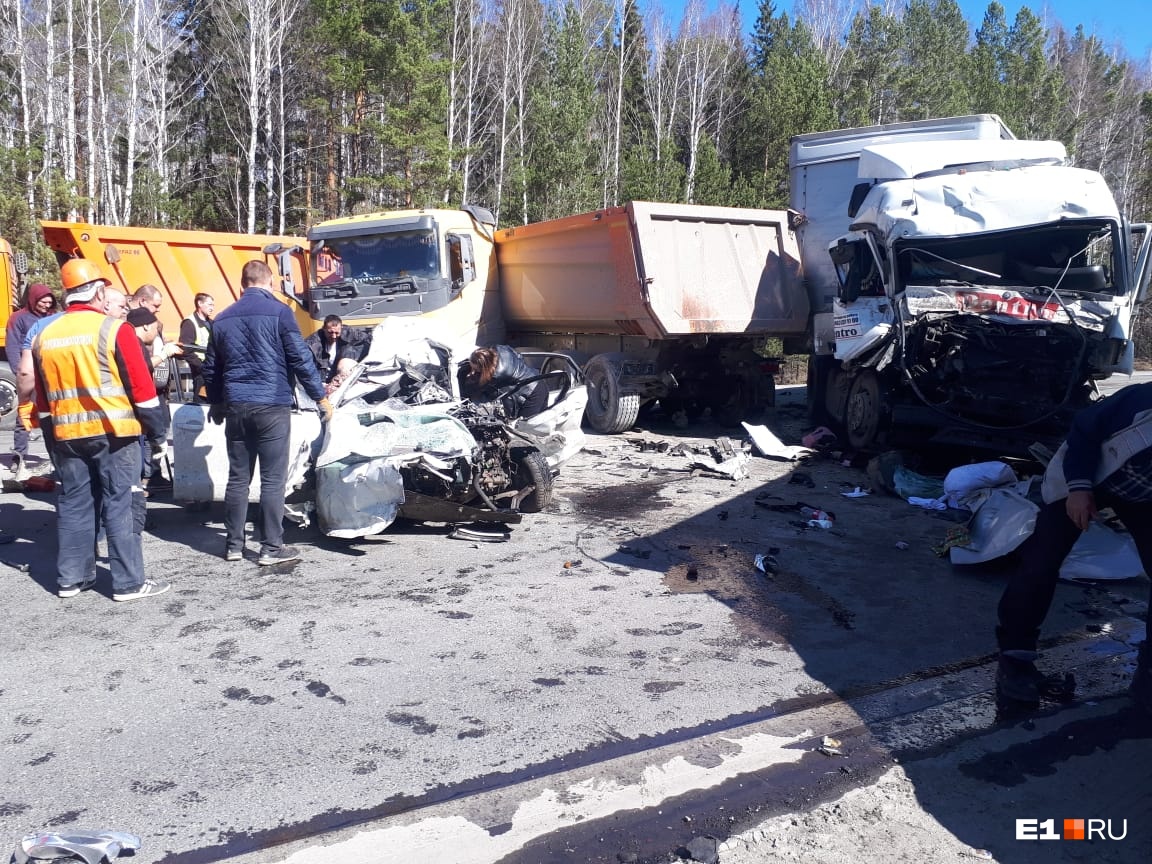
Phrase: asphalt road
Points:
(262, 712)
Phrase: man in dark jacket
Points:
(1106, 462)
(38, 303)
(254, 357)
(334, 343)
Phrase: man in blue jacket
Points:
(254, 357)
(1106, 462)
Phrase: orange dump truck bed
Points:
(663, 271)
(179, 263)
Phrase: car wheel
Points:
(532, 470)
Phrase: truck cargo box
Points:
(656, 270)
(179, 263)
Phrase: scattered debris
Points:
(568, 565)
(735, 468)
(830, 747)
(799, 478)
(857, 493)
(645, 446)
(462, 532)
(766, 564)
(92, 847)
(820, 437)
(983, 854)
(957, 535)
(908, 484)
(771, 446)
(927, 503)
(39, 483)
(23, 568)
(903, 545)
(692, 573)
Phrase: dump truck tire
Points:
(609, 410)
(532, 468)
(865, 420)
(7, 392)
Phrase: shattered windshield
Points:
(382, 257)
(1074, 257)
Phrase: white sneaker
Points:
(149, 588)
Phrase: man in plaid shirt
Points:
(1106, 462)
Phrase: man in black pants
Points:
(1106, 462)
(254, 359)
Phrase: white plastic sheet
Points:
(771, 446)
(1102, 553)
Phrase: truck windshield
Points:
(394, 255)
(1075, 257)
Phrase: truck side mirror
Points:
(859, 193)
(847, 260)
(461, 260)
(284, 266)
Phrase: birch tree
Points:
(705, 43)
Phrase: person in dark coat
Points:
(489, 372)
(255, 357)
(39, 303)
(335, 347)
(1106, 462)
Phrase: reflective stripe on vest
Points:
(75, 359)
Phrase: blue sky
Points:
(1126, 21)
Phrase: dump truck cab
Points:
(435, 264)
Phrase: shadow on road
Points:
(871, 610)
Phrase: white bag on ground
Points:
(1102, 553)
(998, 526)
(965, 480)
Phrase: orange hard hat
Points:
(78, 272)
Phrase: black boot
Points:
(1141, 689)
(1018, 681)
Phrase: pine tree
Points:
(790, 95)
(564, 102)
(932, 83)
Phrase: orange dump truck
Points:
(10, 299)
(179, 263)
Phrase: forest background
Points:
(270, 115)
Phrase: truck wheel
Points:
(7, 392)
(609, 410)
(864, 413)
(532, 469)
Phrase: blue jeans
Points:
(256, 433)
(96, 480)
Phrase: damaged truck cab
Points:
(979, 286)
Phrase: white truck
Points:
(967, 287)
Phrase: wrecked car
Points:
(403, 444)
